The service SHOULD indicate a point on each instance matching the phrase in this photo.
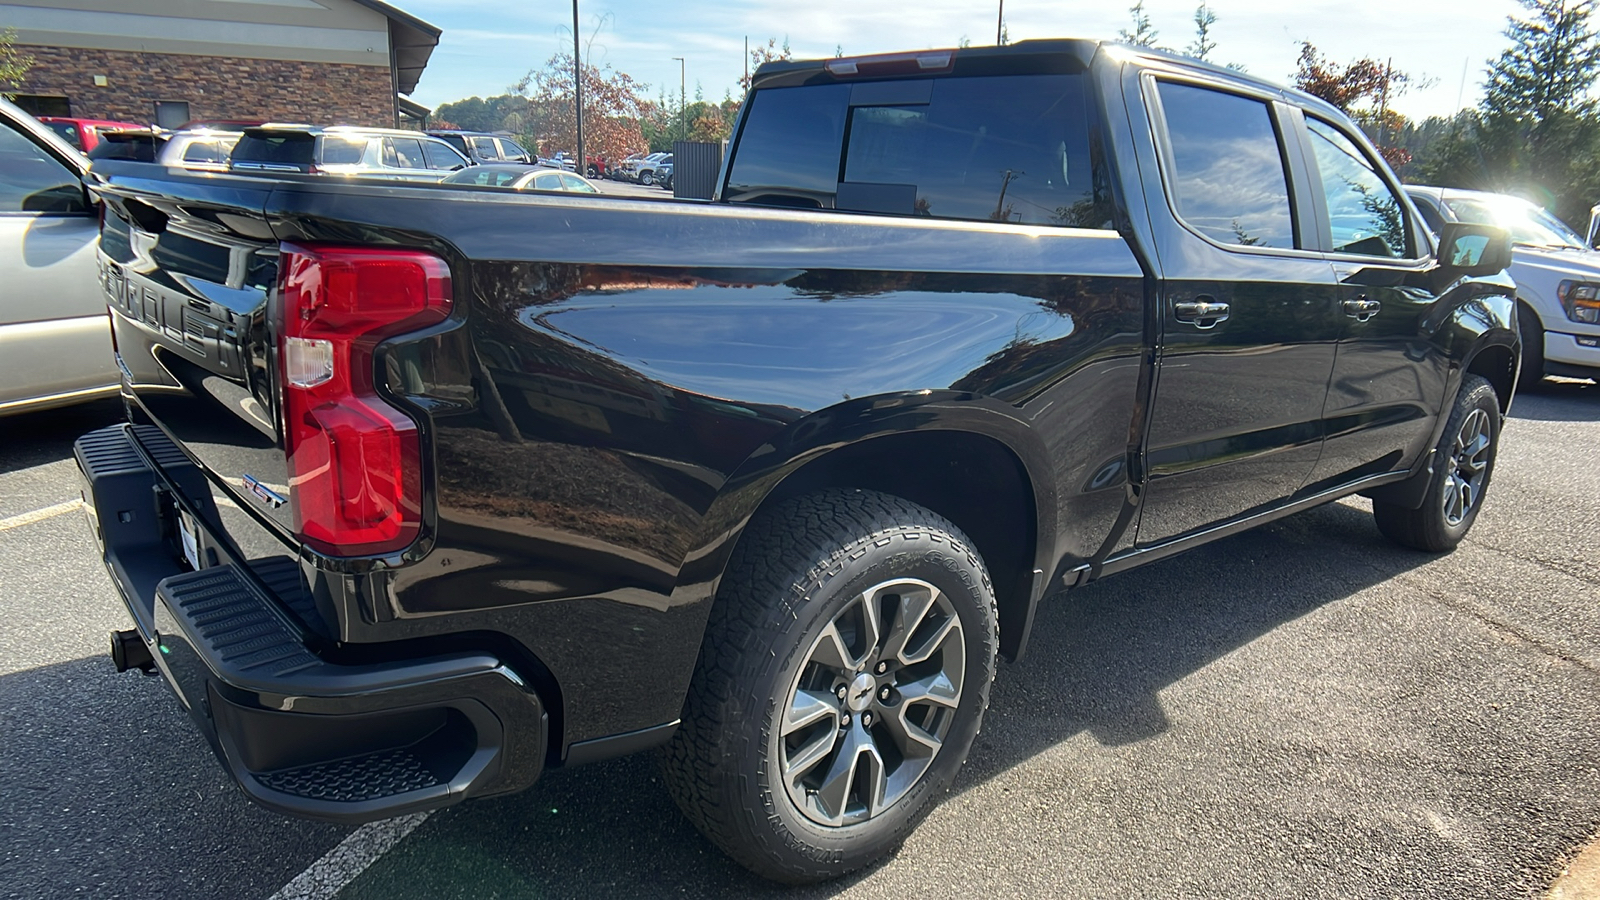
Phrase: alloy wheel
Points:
(1468, 467)
(870, 707)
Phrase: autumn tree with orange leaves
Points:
(612, 109)
(1360, 90)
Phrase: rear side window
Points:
(403, 153)
(1226, 167)
(205, 152)
(1005, 148)
(343, 151)
(484, 147)
(295, 148)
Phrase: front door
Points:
(1248, 321)
(1383, 399)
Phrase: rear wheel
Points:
(843, 677)
(647, 179)
(1463, 465)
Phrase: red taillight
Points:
(355, 479)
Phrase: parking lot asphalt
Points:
(1302, 710)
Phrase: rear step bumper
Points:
(301, 735)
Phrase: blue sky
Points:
(489, 44)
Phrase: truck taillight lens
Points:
(355, 462)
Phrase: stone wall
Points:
(214, 87)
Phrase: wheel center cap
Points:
(860, 693)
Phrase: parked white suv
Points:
(1557, 275)
(346, 150)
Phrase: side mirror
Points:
(1472, 249)
(1594, 229)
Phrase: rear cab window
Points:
(1000, 148)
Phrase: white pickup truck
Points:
(1557, 274)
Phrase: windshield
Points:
(1527, 223)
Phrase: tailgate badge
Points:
(262, 492)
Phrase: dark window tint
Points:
(1364, 215)
(343, 151)
(1227, 169)
(440, 156)
(31, 180)
(1005, 149)
(484, 147)
(172, 114)
(455, 140)
(403, 153)
(134, 146)
(788, 152)
(293, 148)
(513, 151)
(69, 132)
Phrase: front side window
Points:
(1226, 167)
(513, 151)
(577, 185)
(441, 156)
(33, 181)
(1364, 215)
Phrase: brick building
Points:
(326, 62)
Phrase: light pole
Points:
(999, 23)
(683, 112)
(582, 167)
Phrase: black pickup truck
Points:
(426, 489)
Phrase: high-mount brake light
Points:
(892, 63)
(355, 462)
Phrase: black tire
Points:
(1532, 332)
(1447, 513)
(810, 563)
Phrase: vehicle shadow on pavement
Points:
(108, 791)
(36, 438)
(1558, 401)
(1098, 659)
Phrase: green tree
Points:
(1536, 131)
(13, 65)
(1201, 49)
(1143, 34)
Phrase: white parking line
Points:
(340, 866)
(39, 515)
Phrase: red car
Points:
(84, 133)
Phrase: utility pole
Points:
(582, 167)
(683, 109)
(1000, 23)
(747, 62)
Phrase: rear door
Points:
(1247, 317)
(403, 160)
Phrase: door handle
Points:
(1202, 312)
(1361, 309)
